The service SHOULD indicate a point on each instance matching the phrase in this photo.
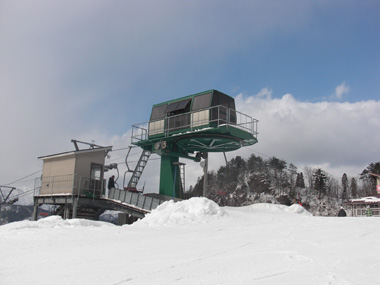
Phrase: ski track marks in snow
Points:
(194, 242)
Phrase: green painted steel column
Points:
(169, 177)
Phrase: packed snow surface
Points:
(195, 242)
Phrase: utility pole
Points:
(205, 169)
(3, 199)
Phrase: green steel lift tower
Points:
(190, 127)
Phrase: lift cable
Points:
(23, 178)
(262, 154)
(120, 149)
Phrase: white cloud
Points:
(340, 135)
(340, 90)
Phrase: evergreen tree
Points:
(344, 187)
(353, 188)
(369, 180)
(300, 182)
(320, 180)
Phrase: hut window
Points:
(96, 176)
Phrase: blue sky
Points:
(90, 69)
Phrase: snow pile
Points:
(297, 209)
(194, 210)
(55, 222)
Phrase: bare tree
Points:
(309, 176)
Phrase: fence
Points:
(364, 212)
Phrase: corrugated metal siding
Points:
(59, 166)
(84, 161)
(58, 171)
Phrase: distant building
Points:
(366, 206)
(377, 182)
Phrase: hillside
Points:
(256, 180)
(13, 213)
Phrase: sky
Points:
(195, 242)
(307, 70)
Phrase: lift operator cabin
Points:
(190, 127)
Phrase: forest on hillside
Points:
(243, 182)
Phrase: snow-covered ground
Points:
(195, 242)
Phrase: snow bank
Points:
(55, 222)
(192, 211)
(277, 208)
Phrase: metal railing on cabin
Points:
(135, 199)
(71, 184)
(212, 117)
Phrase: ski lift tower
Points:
(190, 127)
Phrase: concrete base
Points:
(125, 219)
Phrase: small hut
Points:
(76, 173)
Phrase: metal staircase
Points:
(139, 169)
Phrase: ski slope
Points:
(195, 242)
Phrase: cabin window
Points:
(178, 115)
(158, 112)
(202, 102)
(223, 100)
(231, 103)
(220, 114)
(179, 107)
(232, 111)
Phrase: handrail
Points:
(211, 117)
(70, 184)
(134, 199)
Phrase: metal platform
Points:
(131, 203)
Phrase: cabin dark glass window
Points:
(223, 100)
(178, 115)
(179, 106)
(158, 112)
(232, 111)
(202, 102)
(231, 103)
(221, 114)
